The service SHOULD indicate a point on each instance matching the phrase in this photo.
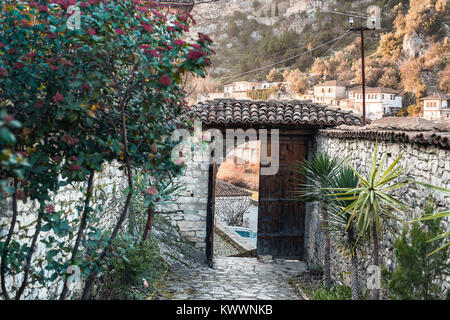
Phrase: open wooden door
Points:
(281, 219)
(210, 214)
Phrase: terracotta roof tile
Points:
(240, 112)
(358, 89)
(225, 189)
(406, 130)
(441, 96)
(332, 83)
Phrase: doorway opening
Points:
(236, 202)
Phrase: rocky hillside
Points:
(250, 34)
(410, 53)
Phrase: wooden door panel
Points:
(281, 217)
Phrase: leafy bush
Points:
(132, 269)
(417, 271)
(315, 270)
(340, 292)
(74, 119)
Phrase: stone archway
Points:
(281, 232)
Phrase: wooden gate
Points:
(281, 219)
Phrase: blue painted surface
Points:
(246, 233)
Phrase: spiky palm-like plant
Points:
(317, 173)
(438, 215)
(371, 202)
(343, 232)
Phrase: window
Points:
(382, 96)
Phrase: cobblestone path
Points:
(235, 279)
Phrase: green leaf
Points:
(7, 136)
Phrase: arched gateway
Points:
(281, 220)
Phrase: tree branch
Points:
(8, 240)
(81, 229)
(27, 266)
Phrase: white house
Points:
(379, 101)
(238, 89)
(308, 96)
(435, 107)
(296, 6)
(329, 92)
(242, 86)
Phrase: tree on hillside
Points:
(390, 47)
(298, 81)
(274, 76)
(410, 76)
(390, 78)
(444, 75)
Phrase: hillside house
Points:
(307, 96)
(436, 107)
(238, 89)
(329, 92)
(379, 101)
(296, 6)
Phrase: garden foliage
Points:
(73, 100)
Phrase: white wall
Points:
(108, 192)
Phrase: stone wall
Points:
(189, 207)
(427, 164)
(108, 191)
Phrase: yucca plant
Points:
(438, 215)
(344, 232)
(317, 173)
(371, 202)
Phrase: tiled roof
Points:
(358, 89)
(435, 96)
(225, 189)
(407, 130)
(331, 83)
(246, 112)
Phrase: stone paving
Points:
(223, 248)
(235, 279)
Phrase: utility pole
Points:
(361, 30)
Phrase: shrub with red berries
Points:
(81, 95)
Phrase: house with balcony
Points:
(436, 106)
(380, 101)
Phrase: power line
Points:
(344, 14)
(282, 61)
(331, 47)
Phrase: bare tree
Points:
(231, 209)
